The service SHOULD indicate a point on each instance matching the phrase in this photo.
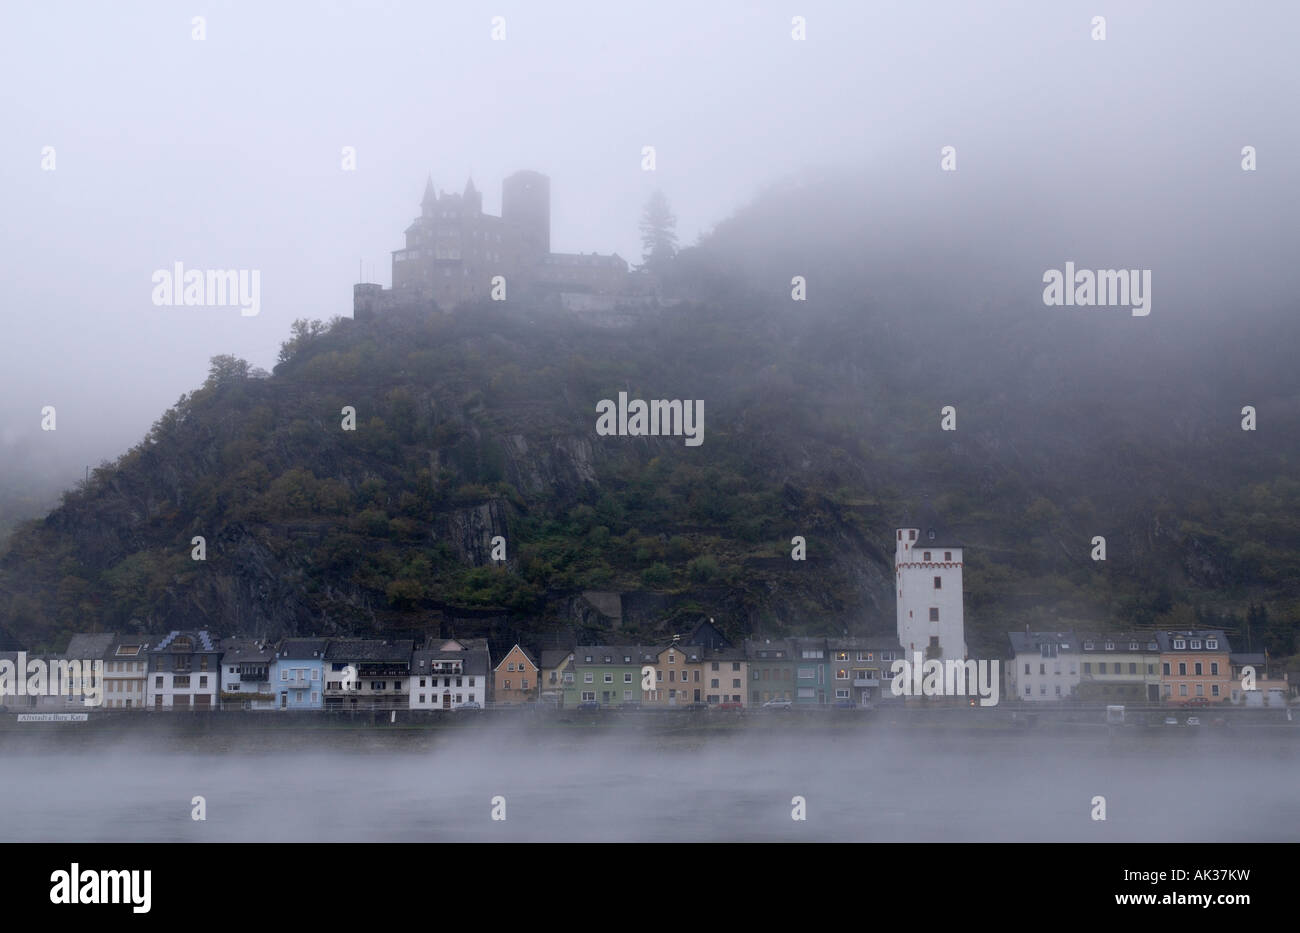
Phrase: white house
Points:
(184, 671)
(448, 674)
(927, 571)
(1045, 666)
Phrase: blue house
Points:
(297, 676)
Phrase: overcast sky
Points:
(226, 152)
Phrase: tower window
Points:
(934, 615)
(911, 535)
(926, 556)
(938, 583)
(947, 555)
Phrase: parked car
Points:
(1196, 701)
(778, 704)
(732, 705)
(472, 704)
(844, 704)
(630, 704)
(589, 704)
(1193, 720)
(695, 707)
(1171, 720)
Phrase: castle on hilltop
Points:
(455, 253)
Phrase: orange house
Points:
(1195, 668)
(515, 680)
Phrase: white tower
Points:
(927, 572)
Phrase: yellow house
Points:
(679, 677)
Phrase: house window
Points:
(1182, 668)
(714, 665)
(588, 678)
(934, 614)
(1101, 668)
(1165, 668)
(1214, 668)
(507, 687)
(842, 673)
(1133, 668)
(1214, 690)
(627, 677)
(1087, 667)
(1182, 690)
(1058, 690)
(1200, 690)
(609, 678)
(510, 666)
(1042, 669)
(523, 684)
(284, 673)
(1198, 668)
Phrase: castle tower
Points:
(927, 572)
(526, 206)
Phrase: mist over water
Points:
(860, 786)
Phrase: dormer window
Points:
(588, 659)
(1196, 644)
(1152, 646)
(1132, 646)
(1212, 644)
(930, 534)
(1179, 644)
(1110, 646)
(1087, 646)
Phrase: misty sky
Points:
(225, 153)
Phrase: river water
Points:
(880, 786)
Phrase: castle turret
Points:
(430, 199)
(473, 198)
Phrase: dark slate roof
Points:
(616, 654)
(1251, 658)
(1166, 639)
(753, 646)
(203, 641)
(369, 649)
(1121, 640)
(300, 649)
(1032, 642)
(143, 642)
(84, 645)
(554, 657)
(246, 649)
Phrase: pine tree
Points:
(658, 232)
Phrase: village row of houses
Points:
(1189, 667)
(196, 670)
